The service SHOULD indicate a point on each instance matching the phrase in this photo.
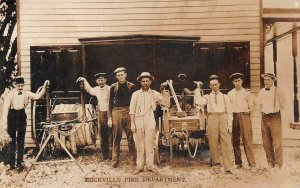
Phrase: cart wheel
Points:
(37, 117)
(157, 147)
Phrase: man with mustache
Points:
(14, 119)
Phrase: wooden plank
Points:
(131, 4)
(230, 38)
(254, 66)
(117, 22)
(222, 32)
(254, 60)
(235, 14)
(94, 27)
(254, 55)
(121, 10)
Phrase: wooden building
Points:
(164, 37)
(281, 41)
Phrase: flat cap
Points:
(100, 74)
(269, 75)
(213, 77)
(236, 75)
(120, 69)
(19, 80)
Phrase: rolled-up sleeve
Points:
(36, 96)
(6, 106)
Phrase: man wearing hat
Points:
(241, 102)
(14, 119)
(120, 96)
(143, 104)
(219, 124)
(102, 92)
(271, 100)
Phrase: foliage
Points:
(8, 43)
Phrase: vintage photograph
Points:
(149, 93)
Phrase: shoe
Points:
(116, 164)
(21, 167)
(238, 166)
(229, 172)
(105, 157)
(154, 170)
(276, 168)
(11, 167)
(136, 171)
(216, 170)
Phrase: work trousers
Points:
(105, 133)
(16, 128)
(144, 140)
(217, 131)
(242, 128)
(121, 120)
(272, 138)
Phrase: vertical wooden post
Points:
(275, 56)
(18, 37)
(83, 56)
(48, 104)
(295, 124)
(82, 99)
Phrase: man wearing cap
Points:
(143, 104)
(219, 124)
(119, 101)
(14, 119)
(102, 92)
(241, 102)
(271, 100)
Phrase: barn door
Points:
(223, 59)
(62, 65)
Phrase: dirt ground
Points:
(181, 172)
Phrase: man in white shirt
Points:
(143, 104)
(219, 124)
(14, 119)
(241, 101)
(102, 92)
(271, 101)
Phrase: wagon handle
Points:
(82, 99)
(48, 113)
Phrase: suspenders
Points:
(25, 100)
(210, 104)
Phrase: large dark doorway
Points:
(163, 57)
(222, 59)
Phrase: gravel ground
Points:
(180, 172)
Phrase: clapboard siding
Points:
(44, 22)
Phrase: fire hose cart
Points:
(180, 130)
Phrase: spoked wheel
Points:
(158, 147)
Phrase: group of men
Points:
(229, 119)
(132, 110)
